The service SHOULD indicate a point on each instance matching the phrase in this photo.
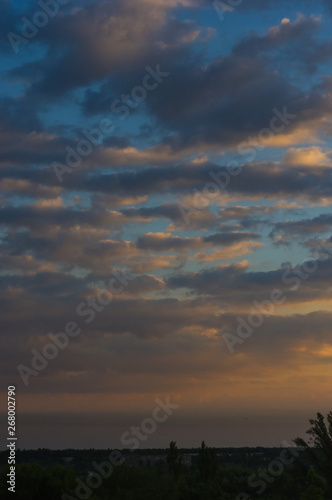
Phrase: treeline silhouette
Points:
(308, 476)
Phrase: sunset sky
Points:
(166, 167)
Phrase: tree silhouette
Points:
(207, 462)
(319, 448)
(173, 460)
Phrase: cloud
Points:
(103, 39)
(165, 241)
(304, 227)
(310, 156)
(233, 251)
(237, 287)
(286, 33)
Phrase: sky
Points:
(165, 210)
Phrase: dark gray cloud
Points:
(298, 228)
(285, 34)
(160, 242)
(236, 283)
(41, 218)
(104, 39)
(256, 179)
(167, 210)
(234, 98)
